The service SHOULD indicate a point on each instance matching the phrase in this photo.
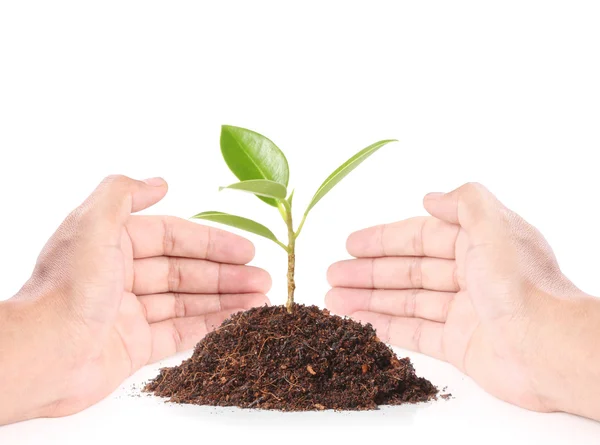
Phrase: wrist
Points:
(568, 358)
(25, 391)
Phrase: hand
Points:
(113, 292)
(477, 286)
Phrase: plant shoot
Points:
(263, 170)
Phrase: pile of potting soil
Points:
(309, 360)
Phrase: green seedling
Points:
(263, 170)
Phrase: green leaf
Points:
(343, 170)
(260, 187)
(239, 222)
(250, 155)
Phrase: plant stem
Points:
(300, 226)
(291, 249)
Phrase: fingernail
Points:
(155, 182)
(434, 195)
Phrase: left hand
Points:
(113, 292)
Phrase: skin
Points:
(477, 286)
(112, 292)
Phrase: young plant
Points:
(263, 170)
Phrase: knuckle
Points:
(417, 246)
(168, 237)
(177, 339)
(381, 233)
(115, 179)
(208, 248)
(178, 305)
(410, 303)
(218, 284)
(417, 335)
(414, 272)
(112, 195)
(372, 295)
(473, 186)
(174, 274)
(472, 191)
(118, 185)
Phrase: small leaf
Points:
(250, 155)
(239, 222)
(260, 187)
(342, 171)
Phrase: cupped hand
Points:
(112, 292)
(474, 285)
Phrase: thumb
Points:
(493, 270)
(471, 206)
(76, 258)
(113, 201)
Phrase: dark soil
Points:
(308, 360)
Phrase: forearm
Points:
(571, 379)
(23, 362)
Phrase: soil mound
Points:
(308, 360)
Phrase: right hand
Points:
(474, 285)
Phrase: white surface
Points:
(505, 93)
(473, 417)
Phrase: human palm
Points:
(465, 285)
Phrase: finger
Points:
(164, 235)
(171, 274)
(113, 201)
(421, 236)
(180, 334)
(395, 273)
(159, 307)
(471, 206)
(415, 334)
(430, 305)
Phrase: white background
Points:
(505, 93)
